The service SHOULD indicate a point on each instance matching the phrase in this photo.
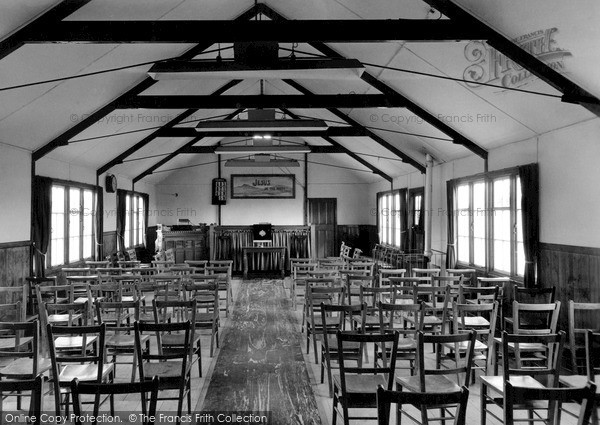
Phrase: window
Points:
(72, 223)
(389, 205)
(488, 223)
(134, 220)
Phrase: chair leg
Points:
(483, 400)
(314, 338)
(335, 403)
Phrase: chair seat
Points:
(123, 340)
(497, 382)
(83, 372)
(576, 381)
(437, 383)
(431, 321)
(23, 368)
(10, 342)
(333, 345)
(171, 340)
(66, 342)
(476, 321)
(164, 370)
(360, 383)
(462, 346)
(63, 318)
(205, 317)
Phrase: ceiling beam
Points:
(63, 139)
(571, 90)
(313, 149)
(380, 140)
(385, 89)
(227, 31)
(341, 131)
(175, 153)
(49, 19)
(348, 152)
(146, 140)
(263, 101)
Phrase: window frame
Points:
(392, 231)
(67, 186)
(134, 219)
(488, 179)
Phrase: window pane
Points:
(141, 221)
(127, 221)
(462, 196)
(74, 224)
(520, 253)
(88, 220)
(479, 196)
(57, 229)
(502, 230)
(463, 227)
(502, 192)
(479, 252)
(397, 230)
(463, 249)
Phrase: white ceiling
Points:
(31, 117)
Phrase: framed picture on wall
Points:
(263, 186)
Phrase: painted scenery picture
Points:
(262, 186)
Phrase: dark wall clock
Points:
(111, 183)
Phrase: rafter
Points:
(572, 92)
(93, 118)
(226, 31)
(384, 88)
(175, 153)
(348, 152)
(49, 19)
(263, 101)
(313, 149)
(378, 139)
(146, 140)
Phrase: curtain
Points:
(121, 214)
(403, 220)
(450, 250)
(529, 176)
(41, 220)
(99, 223)
(146, 199)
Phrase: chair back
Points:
(386, 274)
(528, 361)
(480, 318)
(23, 346)
(478, 295)
(447, 280)
(36, 386)
(535, 318)
(515, 395)
(198, 265)
(534, 295)
(118, 315)
(396, 317)
(97, 389)
(580, 318)
(463, 343)
(421, 272)
(385, 398)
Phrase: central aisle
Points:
(260, 366)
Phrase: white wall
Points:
(15, 194)
(193, 188)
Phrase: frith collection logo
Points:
(490, 66)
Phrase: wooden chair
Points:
(480, 318)
(470, 275)
(76, 360)
(126, 264)
(578, 315)
(393, 317)
(222, 270)
(421, 272)
(315, 296)
(171, 366)
(421, 400)
(356, 386)
(335, 318)
(76, 271)
(198, 265)
(437, 379)
(592, 348)
(22, 352)
(386, 274)
(118, 316)
(516, 396)
(543, 373)
(300, 271)
(35, 386)
(355, 282)
(206, 296)
(142, 388)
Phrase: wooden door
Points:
(322, 216)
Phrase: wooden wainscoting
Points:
(575, 271)
(363, 236)
(14, 263)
